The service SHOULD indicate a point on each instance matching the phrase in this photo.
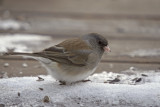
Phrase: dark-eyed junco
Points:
(73, 59)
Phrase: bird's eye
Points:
(100, 42)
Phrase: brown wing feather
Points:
(74, 44)
(67, 53)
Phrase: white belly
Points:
(65, 72)
(69, 75)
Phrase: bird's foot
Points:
(62, 83)
(85, 80)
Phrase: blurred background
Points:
(131, 26)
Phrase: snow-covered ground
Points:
(132, 88)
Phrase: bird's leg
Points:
(80, 81)
(85, 80)
(62, 83)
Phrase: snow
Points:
(11, 24)
(22, 42)
(25, 65)
(144, 53)
(99, 92)
(6, 64)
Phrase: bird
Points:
(73, 59)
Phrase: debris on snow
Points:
(41, 89)
(19, 94)
(46, 99)
(40, 79)
(125, 91)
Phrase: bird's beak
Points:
(107, 49)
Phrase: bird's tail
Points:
(20, 54)
(37, 56)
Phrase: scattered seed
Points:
(105, 82)
(137, 79)
(46, 99)
(62, 83)
(40, 79)
(86, 80)
(144, 75)
(19, 94)
(41, 89)
(114, 81)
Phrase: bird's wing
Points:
(72, 51)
